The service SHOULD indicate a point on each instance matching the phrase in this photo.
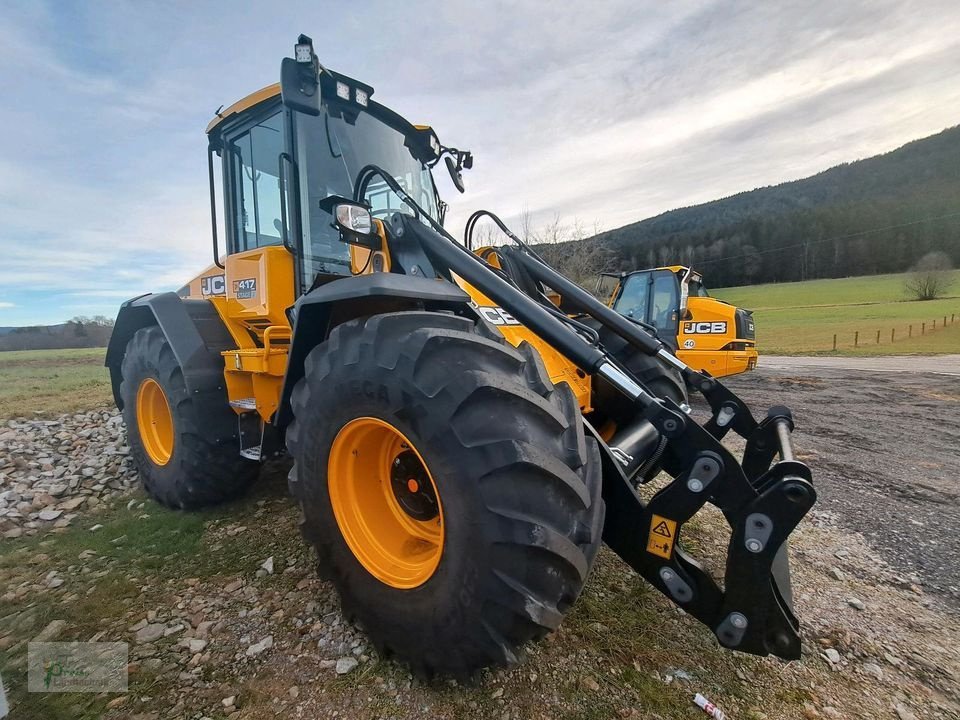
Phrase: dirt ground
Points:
(213, 634)
(885, 449)
(935, 364)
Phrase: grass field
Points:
(792, 319)
(52, 382)
(802, 318)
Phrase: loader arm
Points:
(762, 501)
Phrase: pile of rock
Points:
(51, 469)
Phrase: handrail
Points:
(213, 208)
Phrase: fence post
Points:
(910, 332)
(923, 328)
(834, 342)
(856, 338)
(878, 337)
(934, 324)
(893, 333)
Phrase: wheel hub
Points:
(154, 422)
(385, 502)
(412, 487)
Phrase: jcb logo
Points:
(704, 328)
(497, 316)
(213, 285)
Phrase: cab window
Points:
(633, 300)
(255, 159)
(696, 289)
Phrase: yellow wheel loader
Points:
(465, 427)
(706, 333)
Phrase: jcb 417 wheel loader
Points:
(465, 427)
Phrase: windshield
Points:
(332, 150)
(634, 296)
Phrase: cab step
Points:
(244, 404)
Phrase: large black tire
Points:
(519, 484)
(202, 469)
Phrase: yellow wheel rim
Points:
(154, 421)
(385, 502)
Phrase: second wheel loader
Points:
(466, 428)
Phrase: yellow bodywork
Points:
(253, 291)
(717, 353)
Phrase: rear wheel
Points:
(446, 485)
(181, 464)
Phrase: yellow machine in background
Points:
(707, 333)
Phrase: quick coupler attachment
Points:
(752, 611)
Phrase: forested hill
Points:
(871, 216)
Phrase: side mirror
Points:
(355, 225)
(300, 79)
(455, 174)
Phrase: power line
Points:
(830, 239)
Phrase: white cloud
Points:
(609, 114)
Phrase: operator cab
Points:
(657, 298)
(284, 153)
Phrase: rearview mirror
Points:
(455, 174)
(299, 79)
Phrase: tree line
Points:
(878, 215)
(78, 332)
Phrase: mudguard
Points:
(317, 312)
(194, 330)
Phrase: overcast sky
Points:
(603, 111)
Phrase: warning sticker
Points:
(663, 533)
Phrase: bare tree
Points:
(527, 233)
(569, 249)
(930, 277)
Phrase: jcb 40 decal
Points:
(497, 316)
(704, 328)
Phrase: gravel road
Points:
(937, 364)
(885, 451)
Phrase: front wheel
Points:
(446, 485)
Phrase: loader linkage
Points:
(763, 503)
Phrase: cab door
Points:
(652, 297)
(664, 308)
(259, 283)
